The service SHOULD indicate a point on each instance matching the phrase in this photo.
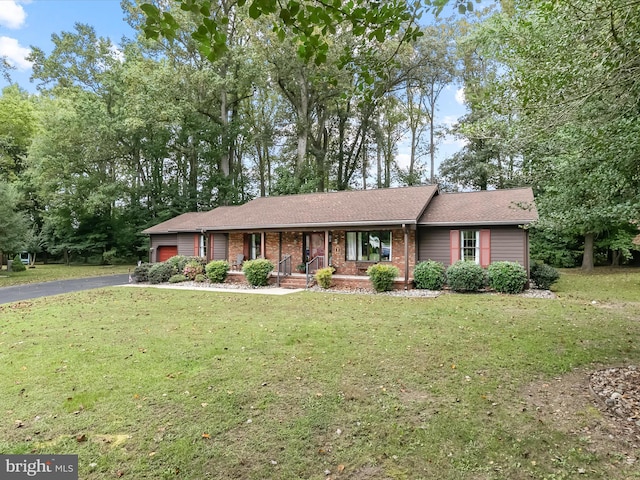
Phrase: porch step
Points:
(291, 281)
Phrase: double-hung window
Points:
(374, 246)
(202, 246)
(470, 245)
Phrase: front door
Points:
(314, 247)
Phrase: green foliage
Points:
(429, 275)
(200, 278)
(18, 266)
(109, 257)
(558, 248)
(466, 277)
(192, 269)
(507, 277)
(141, 272)
(382, 276)
(257, 271)
(217, 270)
(544, 275)
(13, 225)
(161, 272)
(178, 278)
(324, 276)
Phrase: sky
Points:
(27, 23)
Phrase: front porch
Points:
(299, 280)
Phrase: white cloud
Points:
(14, 53)
(12, 15)
(460, 98)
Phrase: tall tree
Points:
(571, 71)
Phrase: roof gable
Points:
(488, 207)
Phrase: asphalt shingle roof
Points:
(498, 207)
(389, 206)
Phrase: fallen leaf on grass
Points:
(81, 438)
(206, 435)
(340, 468)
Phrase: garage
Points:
(165, 252)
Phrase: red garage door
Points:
(166, 252)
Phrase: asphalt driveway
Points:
(46, 289)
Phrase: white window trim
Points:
(477, 247)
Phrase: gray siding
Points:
(220, 246)
(185, 244)
(158, 240)
(507, 244)
(433, 244)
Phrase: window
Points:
(369, 246)
(255, 245)
(470, 245)
(202, 247)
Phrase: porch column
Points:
(263, 250)
(326, 248)
(405, 230)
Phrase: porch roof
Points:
(384, 207)
(488, 207)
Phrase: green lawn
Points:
(165, 384)
(47, 273)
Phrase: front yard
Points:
(148, 383)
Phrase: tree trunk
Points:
(587, 258)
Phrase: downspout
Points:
(406, 256)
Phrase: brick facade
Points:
(292, 244)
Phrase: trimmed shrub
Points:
(181, 261)
(161, 272)
(178, 278)
(507, 277)
(324, 276)
(382, 276)
(429, 275)
(17, 265)
(192, 268)
(217, 270)
(465, 276)
(257, 271)
(141, 272)
(201, 278)
(544, 275)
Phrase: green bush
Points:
(465, 276)
(217, 270)
(544, 275)
(178, 278)
(324, 276)
(507, 277)
(18, 266)
(161, 272)
(192, 269)
(201, 278)
(382, 276)
(429, 275)
(257, 271)
(109, 257)
(181, 261)
(141, 272)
